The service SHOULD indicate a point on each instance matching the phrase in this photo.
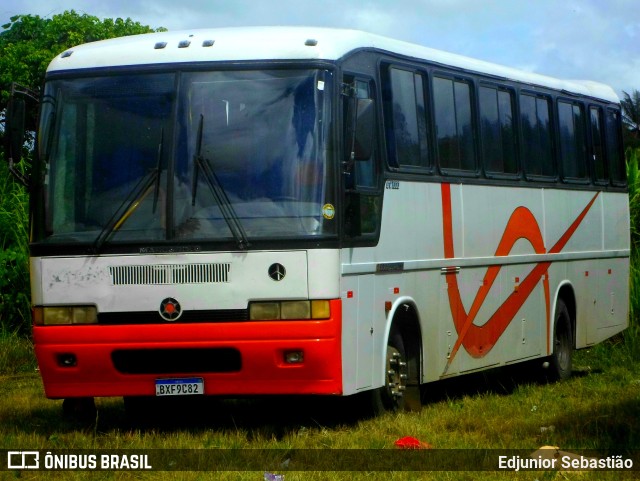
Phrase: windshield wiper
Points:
(226, 208)
(156, 191)
(150, 182)
(141, 190)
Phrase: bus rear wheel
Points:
(560, 362)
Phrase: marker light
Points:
(320, 310)
(60, 315)
(289, 310)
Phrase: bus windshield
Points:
(197, 156)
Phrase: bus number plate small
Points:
(180, 387)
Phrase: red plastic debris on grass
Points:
(409, 442)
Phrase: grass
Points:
(14, 255)
(16, 354)
(599, 408)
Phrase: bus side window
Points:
(572, 140)
(537, 148)
(615, 160)
(454, 123)
(497, 129)
(407, 116)
(597, 144)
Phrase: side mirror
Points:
(365, 129)
(14, 129)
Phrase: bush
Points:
(14, 290)
(633, 178)
(632, 334)
(15, 303)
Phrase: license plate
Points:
(179, 387)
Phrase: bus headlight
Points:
(289, 310)
(262, 311)
(60, 315)
(295, 310)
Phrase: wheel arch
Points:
(404, 316)
(566, 293)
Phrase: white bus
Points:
(316, 211)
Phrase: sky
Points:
(571, 39)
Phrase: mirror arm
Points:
(17, 89)
(347, 165)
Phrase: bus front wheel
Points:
(391, 396)
(81, 409)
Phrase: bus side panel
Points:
(484, 265)
(357, 339)
(500, 318)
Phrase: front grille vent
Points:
(153, 317)
(160, 274)
(175, 361)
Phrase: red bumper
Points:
(259, 346)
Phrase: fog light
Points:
(67, 360)
(294, 357)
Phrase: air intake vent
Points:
(169, 274)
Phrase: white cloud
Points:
(373, 20)
(594, 39)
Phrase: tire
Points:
(560, 362)
(140, 410)
(391, 397)
(81, 409)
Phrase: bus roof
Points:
(287, 43)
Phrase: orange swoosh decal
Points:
(479, 340)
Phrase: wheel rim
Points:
(396, 380)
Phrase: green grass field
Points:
(500, 410)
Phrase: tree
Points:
(631, 117)
(29, 42)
